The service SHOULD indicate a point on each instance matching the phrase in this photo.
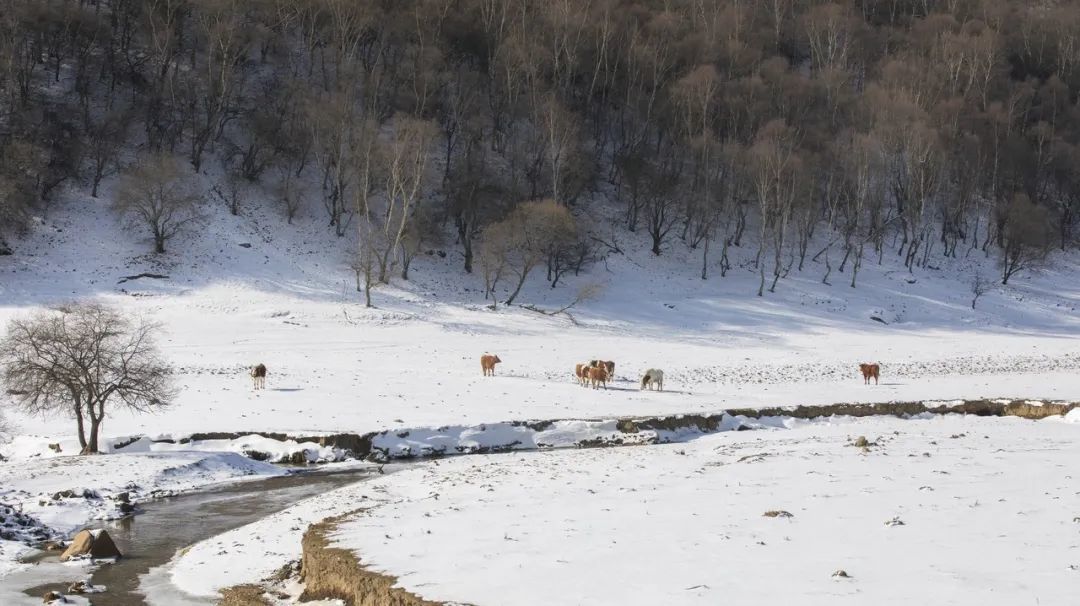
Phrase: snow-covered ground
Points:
(248, 289)
(945, 510)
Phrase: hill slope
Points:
(288, 301)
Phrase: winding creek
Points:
(151, 538)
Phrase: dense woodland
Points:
(821, 136)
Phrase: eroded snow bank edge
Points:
(421, 442)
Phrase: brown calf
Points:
(870, 371)
(487, 364)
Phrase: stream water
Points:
(151, 538)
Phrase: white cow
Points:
(653, 376)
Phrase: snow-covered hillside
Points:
(240, 290)
(248, 289)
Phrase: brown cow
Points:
(607, 364)
(598, 375)
(258, 376)
(868, 371)
(581, 371)
(487, 364)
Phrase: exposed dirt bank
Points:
(329, 572)
(654, 429)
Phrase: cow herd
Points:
(597, 373)
(594, 373)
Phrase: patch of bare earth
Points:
(333, 573)
(243, 595)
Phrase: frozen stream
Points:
(151, 538)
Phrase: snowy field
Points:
(948, 510)
(288, 301)
(938, 510)
(248, 289)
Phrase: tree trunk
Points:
(705, 261)
(82, 426)
(92, 445)
(464, 228)
(517, 289)
(856, 263)
(96, 418)
(159, 241)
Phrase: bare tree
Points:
(423, 229)
(19, 161)
(979, 287)
(341, 142)
(158, 193)
(289, 194)
(493, 254)
(220, 26)
(363, 264)
(84, 360)
(407, 174)
(560, 134)
(1026, 237)
(660, 195)
(105, 138)
(776, 171)
(524, 240)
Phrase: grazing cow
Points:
(487, 364)
(258, 376)
(868, 371)
(653, 376)
(597, 376)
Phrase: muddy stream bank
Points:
(162, 527)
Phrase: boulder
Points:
(95, 544)
(54, 597)
(84, 586)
